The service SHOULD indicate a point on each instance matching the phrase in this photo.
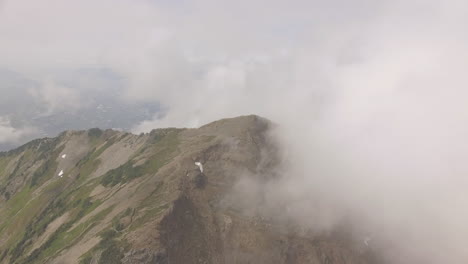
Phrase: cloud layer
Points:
(370, 94)
(8, 134)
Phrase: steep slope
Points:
(124, 198)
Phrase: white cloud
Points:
(371, 94)
(9, 134)
(57, 97)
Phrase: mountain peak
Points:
(104, 196)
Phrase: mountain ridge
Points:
(126, 198)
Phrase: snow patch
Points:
(60, 173)
(199, 166)
(64, 156)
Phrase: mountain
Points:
(166, 197)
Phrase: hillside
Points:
(124, 198)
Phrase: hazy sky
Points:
(371, 94)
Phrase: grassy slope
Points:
(42, 198)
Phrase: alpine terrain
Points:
(170, 196)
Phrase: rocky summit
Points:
(164, 197)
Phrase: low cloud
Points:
(370, 95)
(9, 134)
(57, 98)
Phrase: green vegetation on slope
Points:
(164, 145)
(40, 198)
(122, 174)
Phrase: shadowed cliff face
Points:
(123, 198)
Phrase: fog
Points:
(370, 96)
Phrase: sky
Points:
(370, 95)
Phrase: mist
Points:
(370, 96)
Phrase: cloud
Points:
(370, 95)
(372, 113)
(9, 134)
(57, 98)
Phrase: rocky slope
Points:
(124, 198)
